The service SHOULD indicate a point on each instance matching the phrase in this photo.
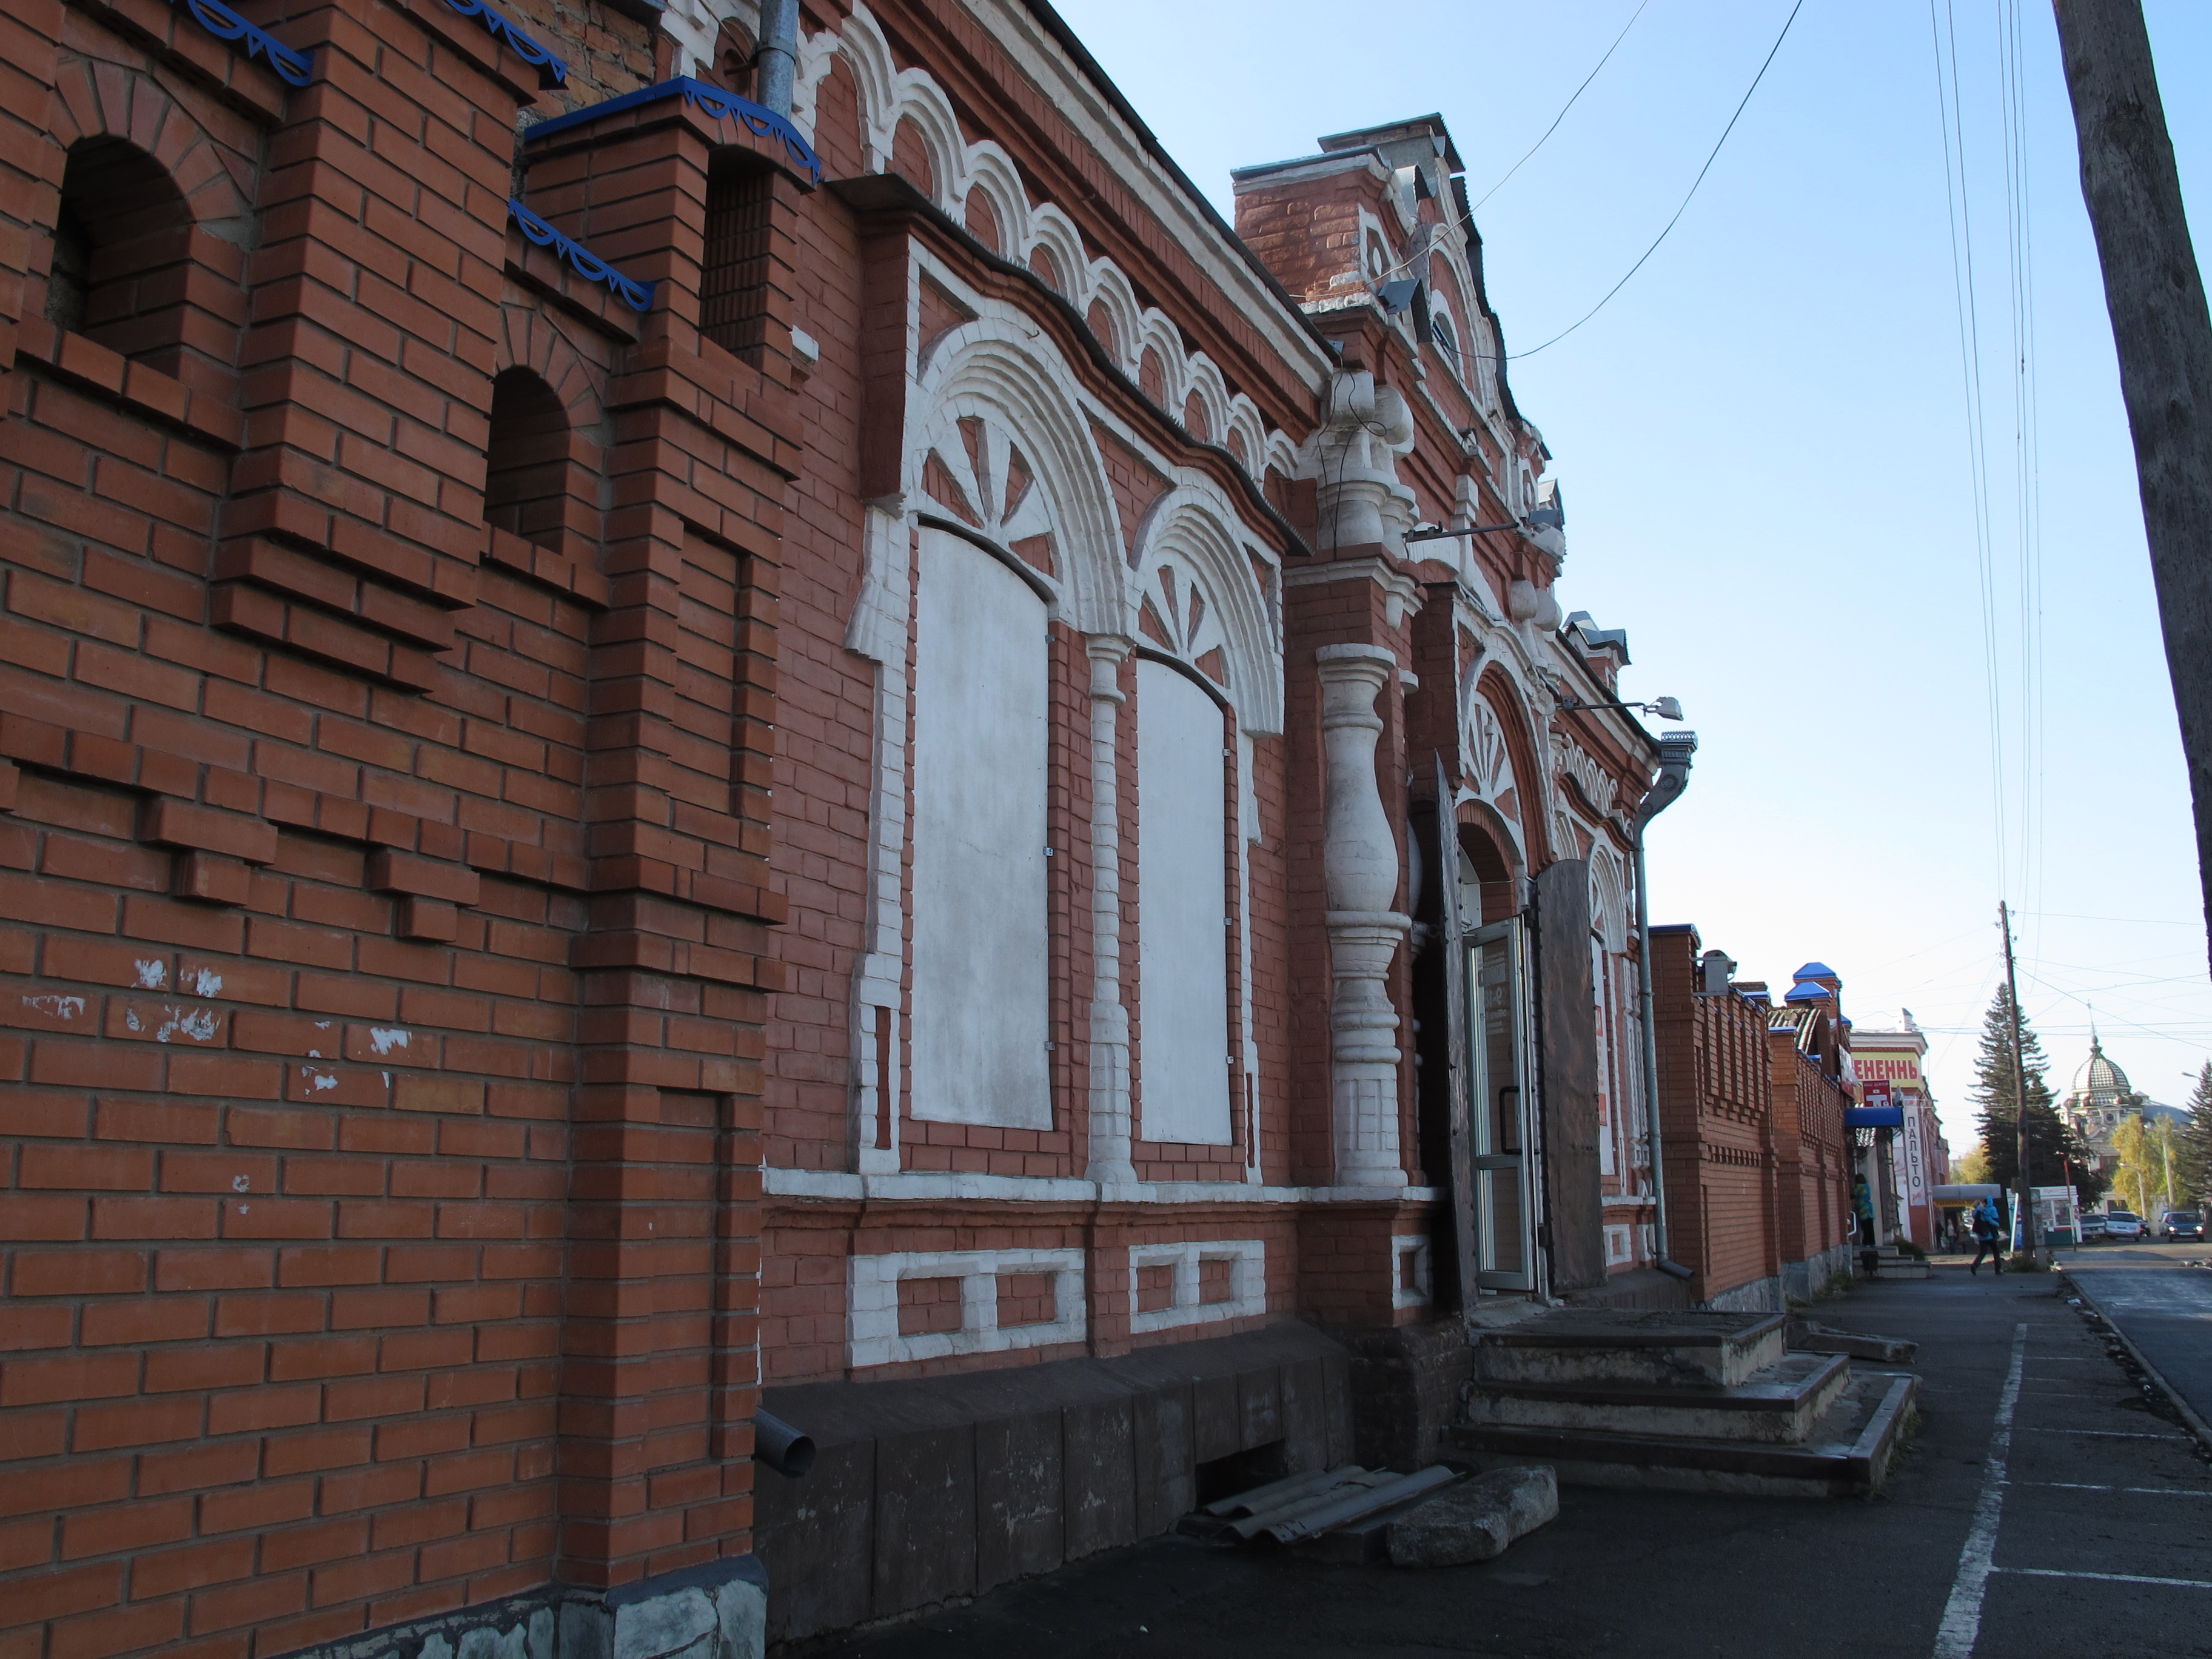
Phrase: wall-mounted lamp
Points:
(1429, 532)
(1667, 708)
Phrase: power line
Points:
(1569, 104)
(1679, 211)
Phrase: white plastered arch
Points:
(1194, 528)
(989, 370)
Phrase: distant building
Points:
(1889, 1064)
(2102, 1099)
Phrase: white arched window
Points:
(1182, 909)
(980, 950)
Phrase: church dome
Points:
(2099, 1082)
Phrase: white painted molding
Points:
(917, 1185)
(1422, 1291)
(871, 1304)
(1248, 1282)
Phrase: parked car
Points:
(2122, 1224)
(2093, 1225)
(2184, 1224)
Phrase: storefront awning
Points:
(1874, 1118)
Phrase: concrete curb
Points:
(2197, 1424)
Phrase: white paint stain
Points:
(198, 1025)
(152, 972)
(208, 984)
(59, 1006)
(130, 1019)
(383, 1041)
(239, 1184)
(319, 1080)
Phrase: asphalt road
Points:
(2164, 1307)
(2098, 1526)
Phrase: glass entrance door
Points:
(1504, 1145)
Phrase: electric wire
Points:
(1959, 213)
(1517, 355)
(1569, 104)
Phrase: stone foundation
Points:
(936, 1489)
(1406, 1383)
(715, 1611)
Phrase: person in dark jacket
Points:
(1989, 1235)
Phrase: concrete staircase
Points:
(1686, 1402)
(1893, 1263)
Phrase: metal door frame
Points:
(1488, 1162)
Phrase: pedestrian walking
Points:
(1988, 1236)
(1862, 1213)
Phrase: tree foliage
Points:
(2192, 1146)
(2054, 1151)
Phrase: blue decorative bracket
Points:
(756, 118)
(293, 68)
(551, 72)
(637, 295)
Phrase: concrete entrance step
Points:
(1665, 1347)
(1777, 1406)
(1895, 1264)
(1847, 1453)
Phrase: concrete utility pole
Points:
(2023, 1213)
(2156, 296)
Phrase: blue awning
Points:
(1874, 1118)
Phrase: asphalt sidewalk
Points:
(2098, 1526)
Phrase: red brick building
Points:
(720, 755)
(1752, 1130)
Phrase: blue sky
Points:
(1763, 445)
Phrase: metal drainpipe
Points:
(1674, 752)
(778, 57)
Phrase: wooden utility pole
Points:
(2155, 297)
(2023, 1213)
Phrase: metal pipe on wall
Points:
(1676, 750)
(778, 58)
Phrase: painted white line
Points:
(1962, 1614)
(2108, 1578)
(2155, 1491)
(2114, 1434)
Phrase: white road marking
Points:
(2114, 1434)
(2155, 1491)
(2108, 1578)
(1962, 1614)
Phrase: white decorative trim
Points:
(1618, 1246)
(889, 95)
(911, 1185)
(1422, 1291)
(1248, 1282)
(871, 1305)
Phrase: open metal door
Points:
(1503, 1143)
(1465, 1215)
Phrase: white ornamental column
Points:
(1359, 862)
(1110, 1164)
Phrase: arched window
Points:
(1183, 905)
(121, 235)
(982, 958)
(733, 272)
(527, 459)
(1447, 342)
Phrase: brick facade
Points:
(459, 842)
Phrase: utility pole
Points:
(2155, 297)
(2023, 1217)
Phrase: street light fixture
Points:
(1667, 708)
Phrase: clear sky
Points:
(1763, 445)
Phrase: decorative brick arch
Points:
(92, 101)
(1495, 688)
(529, 340)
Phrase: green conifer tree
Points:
(2054, 1151)
(2192, 1147)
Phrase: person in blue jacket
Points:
(1989, 1235)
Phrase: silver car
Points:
(2122, 1224)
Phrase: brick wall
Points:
(384, 974)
